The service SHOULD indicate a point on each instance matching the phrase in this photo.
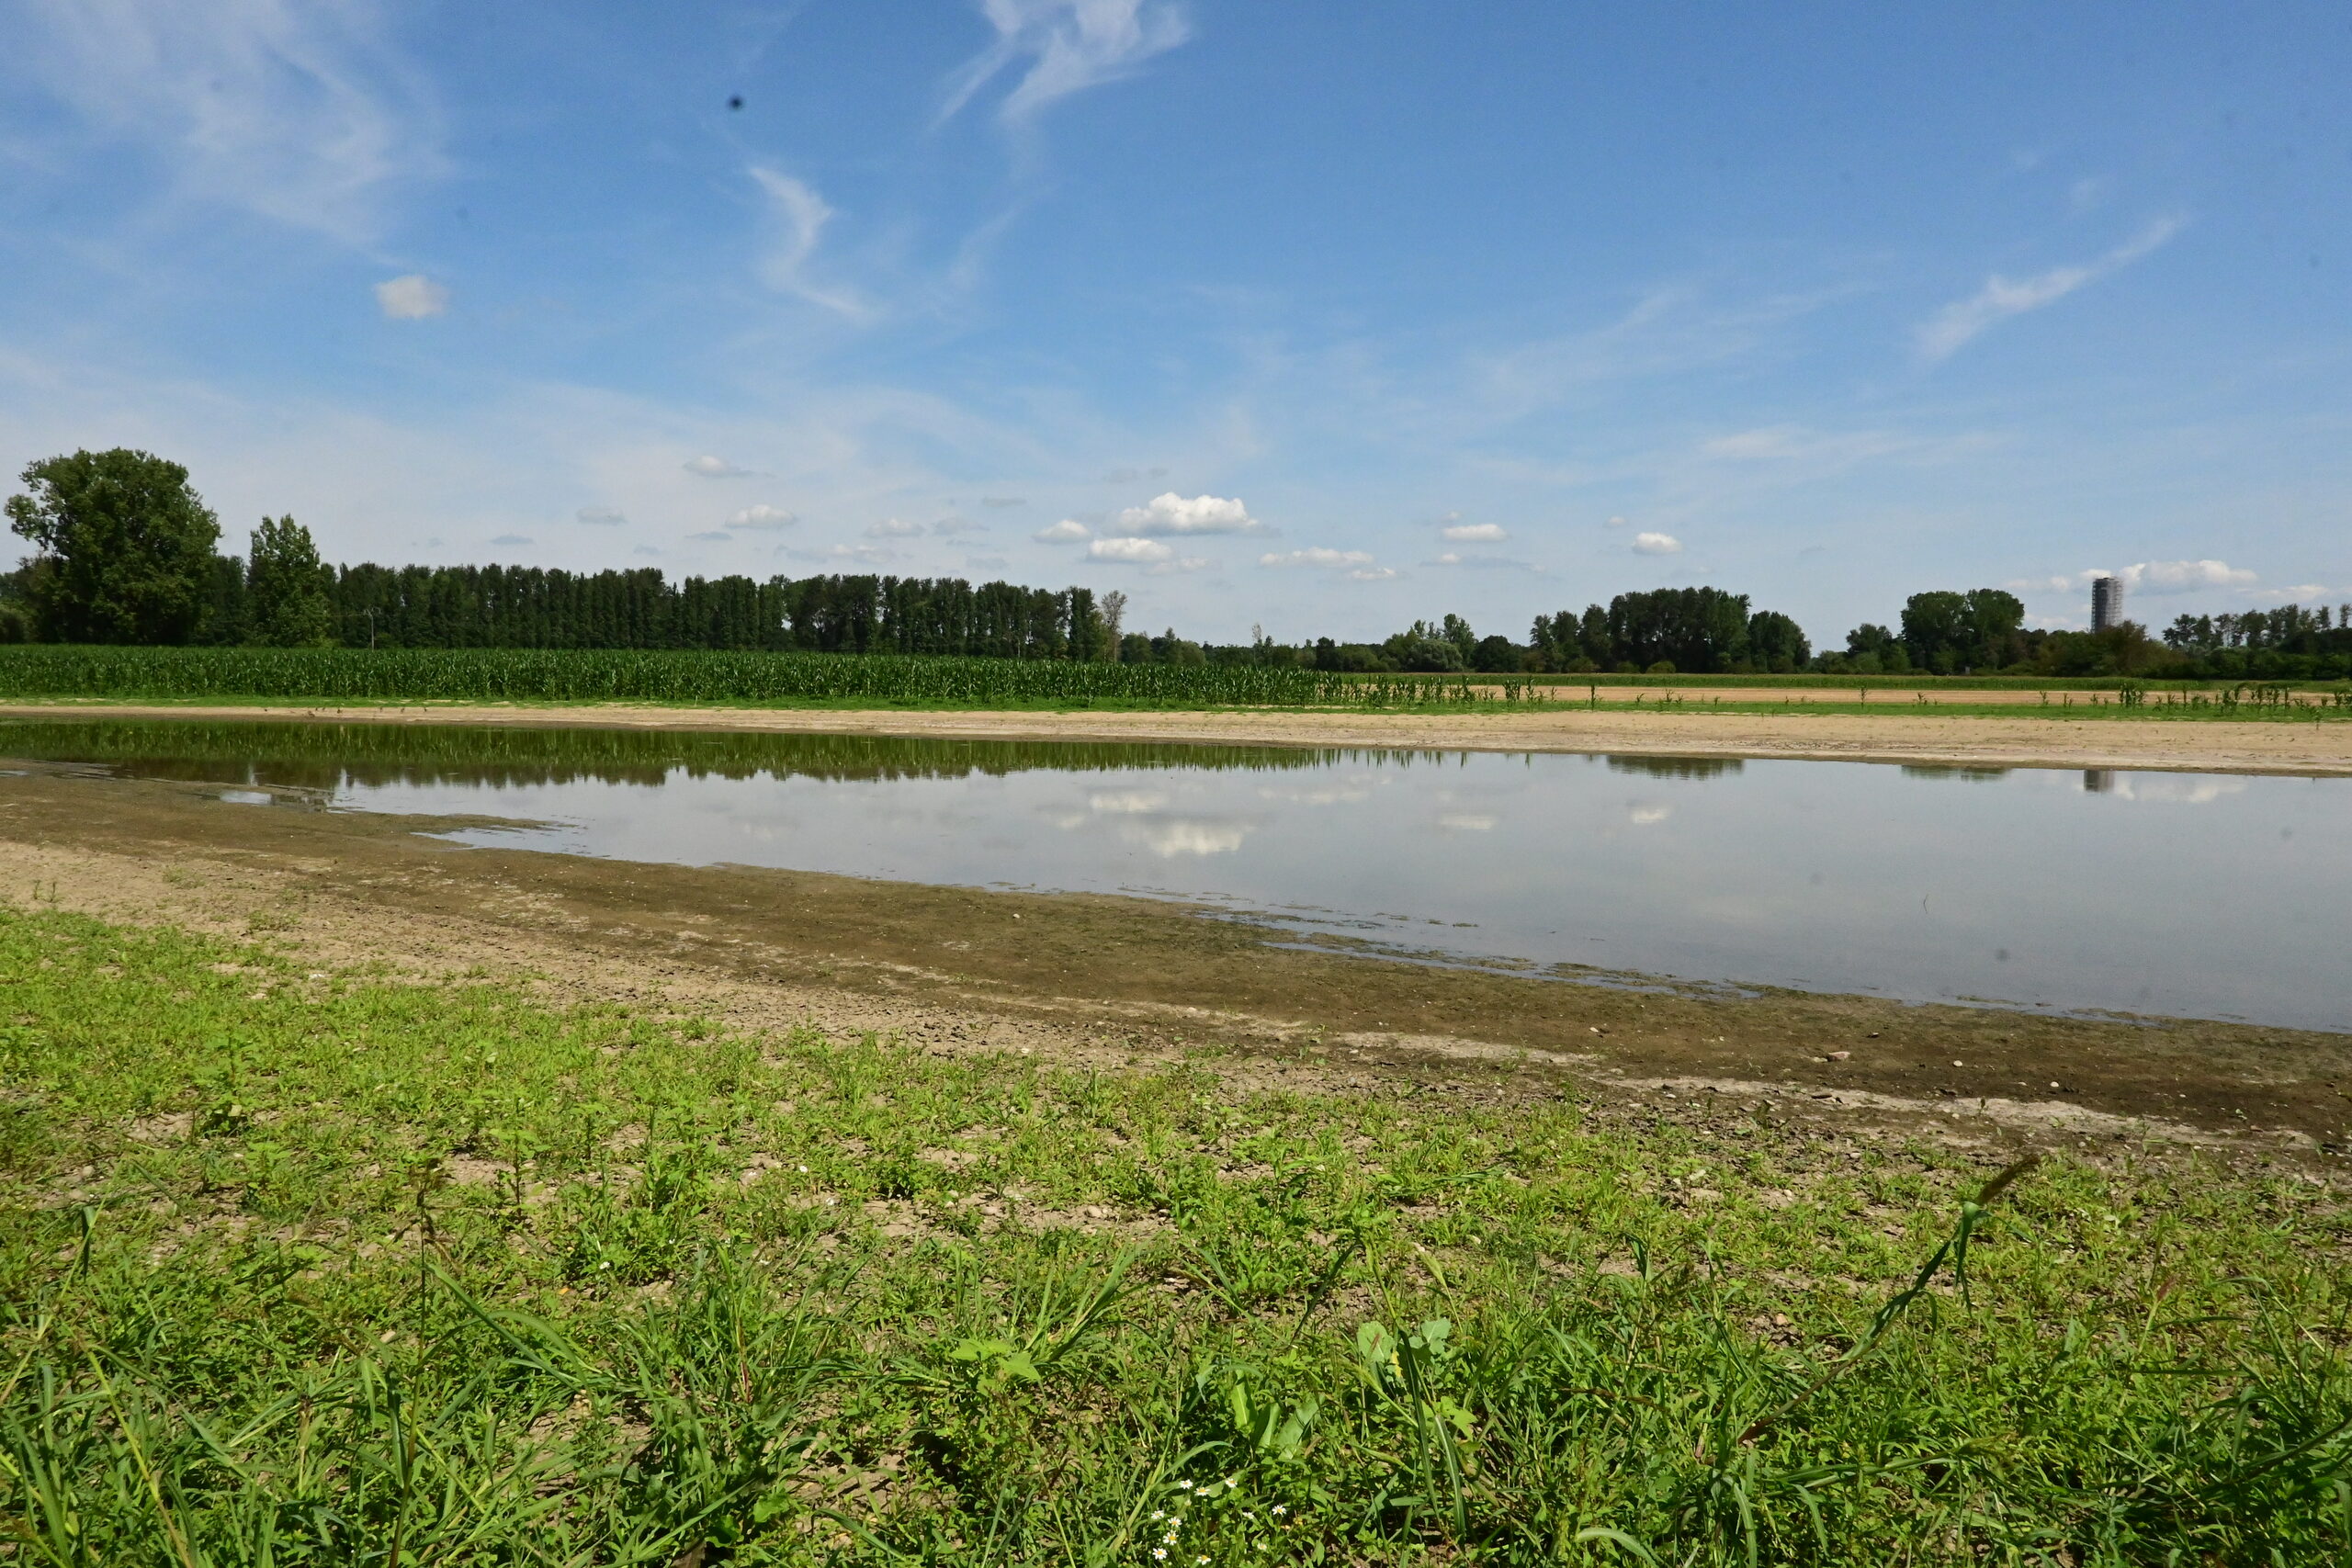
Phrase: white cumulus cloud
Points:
(1473, 533)
(1137, 550)
(2153, 578)
(1656, 545)
(762, 516)
(709, 468)
(1173, 514)
(892, 528)
(2182, 576)
(411, 299)
(1949, 329)
(1155, 558)
(1070, 45)
(1069, 531)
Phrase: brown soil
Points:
(2273, 746)
(1107, 980)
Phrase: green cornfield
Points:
(623, 675)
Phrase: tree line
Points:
(127, 552)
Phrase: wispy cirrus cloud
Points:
(305, 114)
(1952, 328)
(798, 216)
(1069, 45)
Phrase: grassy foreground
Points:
(306, 1267)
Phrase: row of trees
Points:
(127, 552)
(496, 606)
(1983, 631)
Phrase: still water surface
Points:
(2187, 895)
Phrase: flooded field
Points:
(2181, 895)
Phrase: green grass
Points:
(303, 1268)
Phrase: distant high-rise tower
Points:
(2107, 603)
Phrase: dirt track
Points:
(2273, 746)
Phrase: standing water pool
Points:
(2187, 895)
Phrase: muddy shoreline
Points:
(1107, 981)
(2311, 749)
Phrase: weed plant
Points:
(307, 1267)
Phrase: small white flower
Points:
(1279, 1510)
(1161, 1553)
(1183, 1486)
(1233, 1483)
(1158, 1515)
(803, 1169)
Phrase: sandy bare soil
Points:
(2123, 744)
(1111, 981)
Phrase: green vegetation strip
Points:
(307, 1267)
(314, 674)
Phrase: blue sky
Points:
(1317, 316)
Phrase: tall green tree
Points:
(1952, 633)
(1776, 644)
(131, 546)
(286, 588)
